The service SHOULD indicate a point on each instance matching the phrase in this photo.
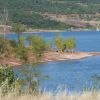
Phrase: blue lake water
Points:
(73, 74)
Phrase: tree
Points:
(18, 29)
(21, 51)
(70, 44)
(31, 78)
(38, 45)
(59, 43)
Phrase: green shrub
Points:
(7, 78)
(6, 47)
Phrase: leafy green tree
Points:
(59, 43)
(6, 72)
(31, 78)
(70, 44)
(22, 51)
(37, 45)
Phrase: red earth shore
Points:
(51, 56)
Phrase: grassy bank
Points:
(58, 96)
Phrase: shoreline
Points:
(50, 57)
(47, 30)
(66, 56)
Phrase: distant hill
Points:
(54, 6)
(28, 11)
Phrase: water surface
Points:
(73, 74)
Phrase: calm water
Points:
(72, 74)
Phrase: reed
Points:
(50, 96)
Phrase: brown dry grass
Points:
(58, 96)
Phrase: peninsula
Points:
(51, 56)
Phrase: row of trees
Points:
(64, 45)
(36, 44)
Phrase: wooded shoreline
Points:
(51, 56)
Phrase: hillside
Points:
(30, 12)
(54, 6)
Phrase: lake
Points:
(72, 74)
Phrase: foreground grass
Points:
(58, 96)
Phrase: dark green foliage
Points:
(7, 73)
(35, 20)
(56, 6)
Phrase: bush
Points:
(6, 47)
(7, 78)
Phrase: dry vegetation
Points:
(58, 96)
(78, 20)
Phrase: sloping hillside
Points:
(54, 6)
(28, 12)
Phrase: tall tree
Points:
(18, 29)
(36, 48)
(4, 20)
(59, 43)
(70, 44)
(38, 45)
